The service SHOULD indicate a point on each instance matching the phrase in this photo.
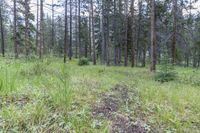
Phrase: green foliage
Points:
(166, 71)
(83, 62)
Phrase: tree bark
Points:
(52, 27)
(79, 28)
(70, 44)
(15, 30)
(26, 27)
(174, 31)
(37, 27)
(126, 31)
(92, 34)
(2, 32)
(153, 37)
(132, 37)
(66, 31)
(41, 30)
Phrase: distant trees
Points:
(114, 32)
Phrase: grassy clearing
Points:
(47, 96)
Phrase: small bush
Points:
(83, 62)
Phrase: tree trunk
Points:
(66, 30)
(92, 34)
(52, 27)
(153, 37)
(41, 30)
(126, 31)
(79, 28)
(174, 31)
(132, 37)
(115, 33)
(15, 30)
(26, 27)
(37, 27)
(76, 29)
(2, 32)
(70, 30)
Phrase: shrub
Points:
(83, 62)
(166, 71)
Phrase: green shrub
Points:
(166, 71)
(83, 62)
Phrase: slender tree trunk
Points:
(52, 27)
(126, 31)
(138, 32)
(70, 44)
(15, 30)
(26, 27)
(2, 32)
(92, 33)
(41, 30)
(76, 29)
(37, 27)
(120, 36)
(132, 37)
(174, 31)
(153, 37)
(66, 35)
(115, 34)
(79, 28)
(102, 38)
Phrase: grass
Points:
(48, 96)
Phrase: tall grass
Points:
(8, 79)
(61, 93)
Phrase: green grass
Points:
(61, 97)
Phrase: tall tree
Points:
(52, 25)
(76, 29)
(126, 31)
(41, 30)
(153, 37)
(79, 28)
(92, 33)
(27, 9)
(173, 47)
(66, 31)
(15, 30)
(37, 26)
(70, 30)
(2, 31)
(132, 37)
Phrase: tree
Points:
(37, 27)
(70, 30)
(2, 31)
(15, 30)
(92, 33)
(153, 37)
(132, 37)
(66, 31)
(126, 31)
(174, 30)
(41, 30)
(27, 13)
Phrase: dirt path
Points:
(109, 107)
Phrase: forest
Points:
(99, 66)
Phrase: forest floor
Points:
(48, 96)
